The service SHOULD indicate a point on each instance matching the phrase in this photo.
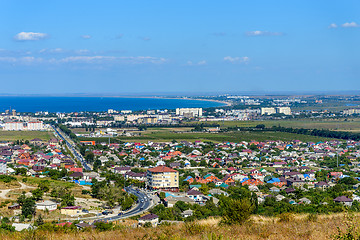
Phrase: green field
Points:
(352, 125)
(166, 135)
(24, 135)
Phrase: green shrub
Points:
(286, 217)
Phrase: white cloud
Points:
(30, 36)
(202, 62)
(105, 60)
(86, 36)
(333, 25)
(52, 50)
(236, 59)
(21, 60)
(350, 25)
(263, 33)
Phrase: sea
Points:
(97, 104)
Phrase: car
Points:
(120, 214)
(142, 200)
(141, 208)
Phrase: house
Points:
(84, 225)
(344, 200)
(149, 218)
(322, 185)
(196, 195)
(187, 213)
(22, 226)
(216, 191)
(304, 200)
(274, 190)
(49, 205)
(121, 170)
(254, 182)
(71, 211)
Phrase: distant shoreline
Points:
(145, 97)
(103, 103)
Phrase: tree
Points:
(236, 211)
(162, 196)
(39, 221)
(44, 185)
(37, 194)
(28, 207)
(21, 171)
(67, 200)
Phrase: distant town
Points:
(95, 169)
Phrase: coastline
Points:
(227, 104)
(52, 103)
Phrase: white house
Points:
(49, 205)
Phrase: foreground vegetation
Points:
(297, 227)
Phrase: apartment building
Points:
(189, 112)
(163, 178)
(35, 126)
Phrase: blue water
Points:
(77, 104)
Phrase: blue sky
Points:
(143, 47)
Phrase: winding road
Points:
(144, 203)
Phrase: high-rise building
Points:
(268, 111)
(163, 178)
(189, 112)
(284, 110)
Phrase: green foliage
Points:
(37, 194)
(102, 226)
(27, 206)
(7, 227)
(39, 221)
(20, 171)
(236, 211)
(7, 179)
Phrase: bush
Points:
(193, 228)
(312, 217)
(286, 217)
(6, 178)
(236, 211)
(101, 226)
(148, 224)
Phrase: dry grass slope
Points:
(298, 228)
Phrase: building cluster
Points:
(50, 156)
(277, 110)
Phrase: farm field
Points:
(25, 135)
(167, 135)
(340, 125)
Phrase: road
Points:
(144, 203)
(72, 147)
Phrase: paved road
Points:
(144, 203)
(72, 147)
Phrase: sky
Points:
(159, 47)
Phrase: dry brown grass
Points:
(258, 228)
